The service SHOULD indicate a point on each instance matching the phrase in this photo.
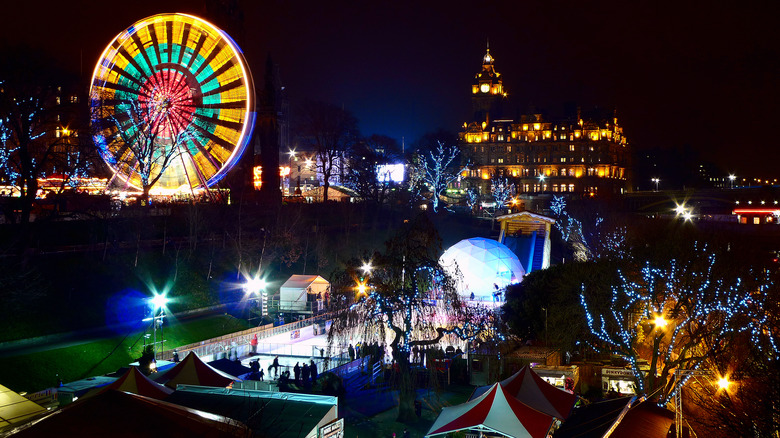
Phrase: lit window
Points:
(537, 126)
(563, 159)
(555, 187)
(571, 148)
(500, 161)
(571, 187)
(509, 148)
(525, 127)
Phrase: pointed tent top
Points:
(136, 382)
(193, 371)
(529, 388)
(495, 410)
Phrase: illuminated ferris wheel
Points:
(172, 103)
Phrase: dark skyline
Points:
(702, 74)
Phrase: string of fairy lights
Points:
(415, 300)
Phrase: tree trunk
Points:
(144, 199)
(325, 186)
(406, 390)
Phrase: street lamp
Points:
(732, 177)
(366, 267)
(656, 181)
(660, 321)
(724, 382)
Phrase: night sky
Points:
(702, 74)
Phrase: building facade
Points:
(582, 156)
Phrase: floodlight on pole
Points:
(158, 302)
(367, 267)
(256, 289)
(732, 177)
(656, 181)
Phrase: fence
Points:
(221, 344)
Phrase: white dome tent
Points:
(479, 265)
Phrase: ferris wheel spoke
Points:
(207, 154)
(226, 87)
(212, 54)
(155, 44)
(235, 126)
(218, 72)
(140, 45)
(198, 47)
(214, 138)
(185, 34)
(236, 104)
(123, 51)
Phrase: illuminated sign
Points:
(257, 175)
(390, 172)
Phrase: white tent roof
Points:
(298, 281)
(494, 411)
(482, 265)
(15, 409)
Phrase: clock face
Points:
(484, 88)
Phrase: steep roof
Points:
(298, 281)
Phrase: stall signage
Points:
(616, 372)
(333, 430)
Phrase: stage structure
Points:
(483, 267)
(172, 104)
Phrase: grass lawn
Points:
(37, 371)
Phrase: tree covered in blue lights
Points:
(408, 301)
(591, 237)
(436, 170)
(677, 315)
(502, 190)
(39, 128)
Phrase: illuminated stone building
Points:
(579, 156)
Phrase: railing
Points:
(315, 307)
(221, 344)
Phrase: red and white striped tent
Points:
(193, 371)
(495, 411)
(526, 386)
(134, 381)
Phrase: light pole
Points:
(255, 288)
(158, 302)
(289, 175)
(545, 327)
(656, 181)
(732, 177)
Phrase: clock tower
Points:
(487, 91)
